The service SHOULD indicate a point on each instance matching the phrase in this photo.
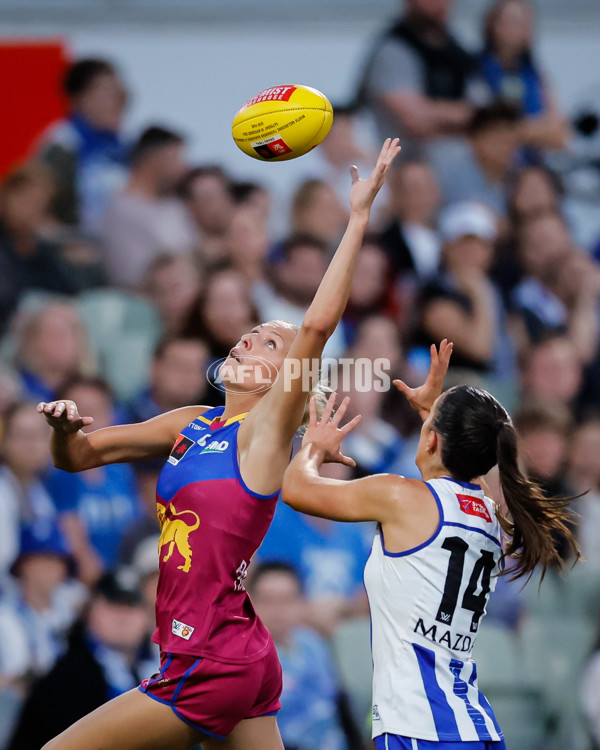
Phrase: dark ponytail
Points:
(535, 518)
(478, 434)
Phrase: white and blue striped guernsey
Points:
(426, 607)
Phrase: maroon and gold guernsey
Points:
(211, 526)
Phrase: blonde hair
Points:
(320, 392)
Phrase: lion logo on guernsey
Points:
(175, 532)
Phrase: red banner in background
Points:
(31, 75)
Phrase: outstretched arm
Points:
(422, 398)
(405, 508)
(74, 450)
(276, 418)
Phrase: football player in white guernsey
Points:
(437, 552)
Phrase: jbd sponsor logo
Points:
(251, 374)
(216, 446)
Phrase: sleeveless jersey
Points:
(426, 606)
(211, 526)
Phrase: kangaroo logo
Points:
(175, 532)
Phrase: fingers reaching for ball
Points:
(363, 192)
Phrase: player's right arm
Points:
(74, 450)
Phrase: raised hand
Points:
(422, 398)
(363, 192)
(63, 416)
(326, 434)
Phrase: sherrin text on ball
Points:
(282, 122)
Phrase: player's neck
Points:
(433, 468)
(238, 403)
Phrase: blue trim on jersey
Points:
(443, 715)
(466, 485)
(396, 742)
(483, 702)
(476, 530)
(428, 541)
(238, 475)
(461, 691)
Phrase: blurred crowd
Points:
(126, 273)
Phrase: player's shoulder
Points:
(405, 487)
(177, 419)
(398, 490)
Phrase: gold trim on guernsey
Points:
(237, 418)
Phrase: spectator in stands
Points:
(552, 372)
(417, 77)
(584, 476)
(100, 664)
(145, 219)
(577, 285)
(508, 66)
(223, 312)
(560, 288)
(409, 239)
(28, 261)
(295, 277)
(41, 363)
(535, 191)
(97, 506)
(172, 285)
(177, 378)
(87, 152)
(544, 433)
(329, 557)
(46, 602)
(317, 210)
(207, 192)
(309, 718)
(480, 169)
(252, 195)
(461, 303)
(247, 242)
(24, 500)
(543, 242)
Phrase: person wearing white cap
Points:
(461, 303)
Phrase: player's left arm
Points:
(374, 498)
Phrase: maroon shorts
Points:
(213, 697)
